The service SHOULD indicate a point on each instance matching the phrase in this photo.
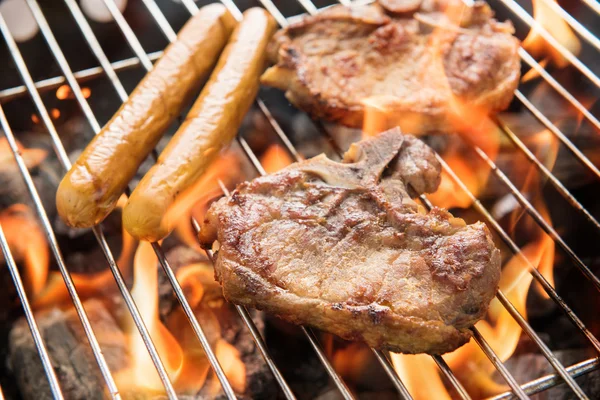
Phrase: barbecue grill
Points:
(563, 374)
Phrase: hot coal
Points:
(71, 356)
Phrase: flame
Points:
(419, 374)
(545, 15)
(204, 295)
(275, 158)
(141, 373)
(233, 366)
(88, 285)
(533, 73)
(226, 170)
(27, 244)
(32, 157)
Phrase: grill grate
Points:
(562, 375)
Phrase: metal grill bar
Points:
(61, 60)
(533, 24)
(89, 332)
(494, 359)
(557, 132)
(35, 332)
(542, 346)
(552, 380)
(541, 167)
(81, 76)
(92, 41)
(593, 4)
(441, 363)
(529, 60)
(392, 374)
(582, 30)
(539, 219)
(547, 353)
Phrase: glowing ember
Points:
(64, 92)
(555, 26)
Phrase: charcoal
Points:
(69, 351)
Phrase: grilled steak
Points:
(427, 66)
(344, 248)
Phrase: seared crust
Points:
(419, 66)
(341, 246)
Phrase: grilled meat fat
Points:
(344, 248)
(421, 66)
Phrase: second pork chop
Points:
(426, 69)
(343, 247)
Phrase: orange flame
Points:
(419, 374)
(142, 374)
(27, 244)
(275, 158)
(227, 170)
(552, 22)
(88, 285)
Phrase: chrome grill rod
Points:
(576, 25)
(33, 327)
(66, 165)
(517, 10)
(548, 381)
(137, 48)
(529, 60)
(545, 350)
(147, 64)
(547, 173)
(89, 332)
(81, 76)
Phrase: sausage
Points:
(93, 185)
(211, 124)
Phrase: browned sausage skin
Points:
(210, 125)
(91, 188)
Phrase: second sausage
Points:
(91, 188)
(210, 125)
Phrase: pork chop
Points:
(429, 66)
(344, 248)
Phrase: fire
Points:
(419, 372)
(275, 158)
(549, 19)
(28, 245)
(226, 170)
(25, 237)
(64, 92)
(142, 373)
(179, 348)
(88, 285)
(32, 157)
